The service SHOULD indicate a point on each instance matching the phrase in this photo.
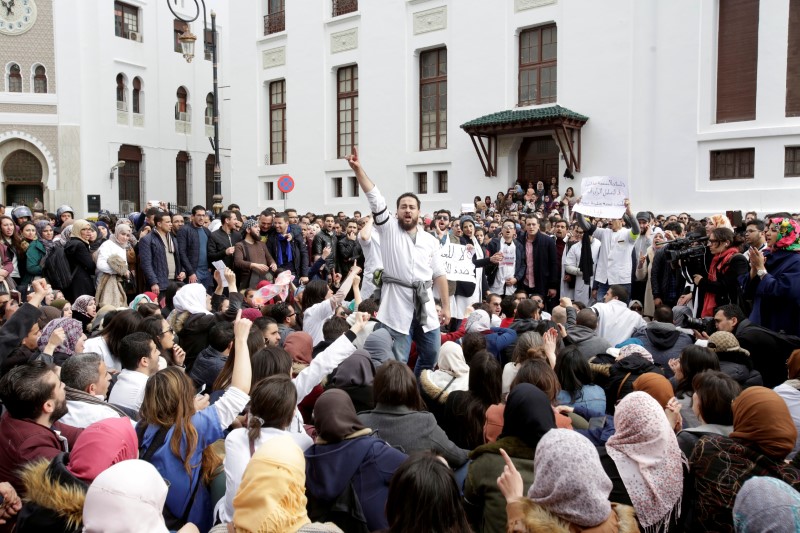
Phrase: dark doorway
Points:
(22, 172)
(537, 161)
(209, 182)
(130, 179)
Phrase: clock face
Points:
(17, 16)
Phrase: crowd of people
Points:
(287, 372)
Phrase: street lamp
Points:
(187, 40)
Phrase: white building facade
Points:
(694, 103)
(116, 90)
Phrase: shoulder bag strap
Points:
(619, 390)
(444, 389)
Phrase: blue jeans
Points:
(428, 345)
(602, 289)
(205, 277)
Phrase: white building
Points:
(646, 74)
(110, 87)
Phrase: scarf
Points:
(77, 227)
(40, 227)
(281, 259)
(528, 414)
(634, 349)
(656, 386)
(191, 298)
(335, 417)
(271, 497)
(478, 321)
(299, 345)
(580, 496)
(586, 263)
(81, 305)
(766, 504)
(648, 458)
(751, 409)
(169, 244)
(379, 344)
(73, 330)
(355, 371)
(451, 360)
(719, 263)
(101, 445)
(788, 234)
(121, 229)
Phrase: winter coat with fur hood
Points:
(53, 499)
(525, 516)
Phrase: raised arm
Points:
(242, 371)
(355, 163)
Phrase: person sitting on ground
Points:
(713, 393)
(139, 357)
(355, 375)
(451, 375)
(210, 361)
(576, 380)
(615, 322)
(733, 359)
(693, 360)
(87, 380)
(662, 339)
(790, 392)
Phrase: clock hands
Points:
(8, 6)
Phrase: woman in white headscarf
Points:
(452, 375)
(644, 267)
(467, 292)
(112, 268)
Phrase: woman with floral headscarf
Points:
(774, 280)
(80, 261)
(84, 308)
(112, 268)
(72, 331)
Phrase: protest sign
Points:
(220, 266)
(602, 197)
(457, 262)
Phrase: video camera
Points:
(703, 325)
(686, 249)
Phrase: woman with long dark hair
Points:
(575, 378)
(694, 359)
(109, 342)
(11, 241)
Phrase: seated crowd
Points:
(169, 373)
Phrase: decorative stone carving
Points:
(430, 20)
(122, 118)
(344, 40)
(522, 5)
(274, 57)
(48, 155)
(138, 120)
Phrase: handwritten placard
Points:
(603, 197)
(457, 262)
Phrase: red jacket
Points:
(22, 441)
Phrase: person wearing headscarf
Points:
(766, 504)
(644, 462)
(39, 248)
(773, 282)
(452, 375)
(527, 417)
(632, 361)
(55, 489)
(379, 344)
(644, 269)
(271, 497)
(497, 339)
(347, 463)
(84, 308)
(48, 313)
(73, 338)
(112, 268)
(656, 386)
(790, 392)
(127, 498)
(80, 261)
(763, 436)
(355, 376)
(578, 501)
(299, 345)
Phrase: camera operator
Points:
(769, 350)
(666, 280)
(690, 257)
(721, 284)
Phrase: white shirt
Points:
(99, 346)
(615, 322)
(313, 319)
(372, 262)
(84, 414)
(615, 263)
(237, 456)
(505, 269)
(407, 260)
(128, 391)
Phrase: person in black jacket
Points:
(543, 276)
(327, 238)
(19, 325)
(80, 261)
(222, 242)
(289, 253)
(348, 251)
(721, 285)
(158, 255)
(193, 239)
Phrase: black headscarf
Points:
(586, 263)
(528, 414)
(335, 417)
(355, 371)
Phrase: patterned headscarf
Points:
(788, 234)
(580, 497)
(766, 504)
(40, 227)
(73, 330)
(631, 349)
(648, 458)
(478, 321)
(81, 304)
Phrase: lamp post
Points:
(187, 40)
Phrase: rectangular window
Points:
(793, 61)
(181, 173)
(422, 182)
(733, 164)
(791, 166)
(441, 179)
(337, 187)
(737, 60)
(277, 120)
(354, 188)
(340, 7)
(274, 20)
(433, 99)
(270, 190)
(126, 21)
(537, 65)
(347, 107)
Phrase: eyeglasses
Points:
(442, 218)
(170, 330)
(290, 316)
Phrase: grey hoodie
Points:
(664, 341)
(586, 339)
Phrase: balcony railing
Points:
(340, 7)
(274, 22)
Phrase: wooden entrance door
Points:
(537, 161)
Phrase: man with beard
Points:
(251, 259)
(34, 398)
(348, 251)
(412, 265)
(326, 237)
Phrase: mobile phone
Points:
(16, 296)
(201, 389)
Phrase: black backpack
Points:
(56, 268)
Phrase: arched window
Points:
(14, 79)
(182, 105)
(122, 102)
(137, 100)
(22, 167)
(39, 79)
(210, 109)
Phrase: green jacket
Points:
(34, 256)
(485, 504)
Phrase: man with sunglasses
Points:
(504, 276)
(441, 230)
